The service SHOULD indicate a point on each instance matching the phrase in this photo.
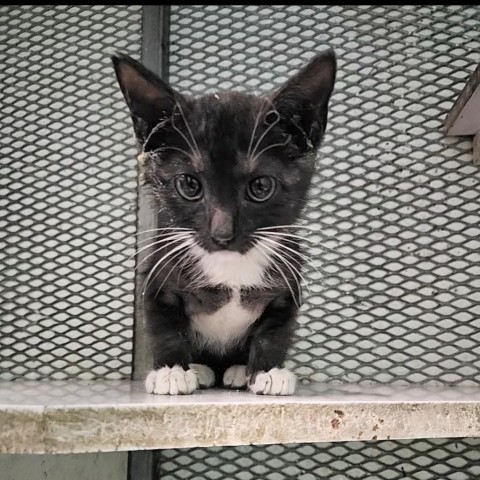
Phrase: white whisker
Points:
(260, 246)
(259, 141)
(160, 229)
(289, 255)
(161, 149)
(158, 250)
(294, 255)
(147, 282)
(289, 235)
(182, 135)
(254, 131)
(295, 252)
(269, 147)
(182, 258)
(154, 130)
(316, 244)
(190, 261)
(158, 237)
(293, 258)
(294, 271)
(172, 238)
(171, 232)
(274, 229)
(189, 131)
(188, 128)
(305, 227)
(301, 255)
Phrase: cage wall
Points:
(392, 294)
(67, 192)
(393, 290)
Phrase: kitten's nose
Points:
(221, 228)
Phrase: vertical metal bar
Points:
(154, 57)
(141, 465)
(155, 41)
(155, 38)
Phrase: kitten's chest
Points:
(220, 318)
(222, 314)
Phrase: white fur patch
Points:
(274, 382)
(233, 269)
(235, 376)
(205, 375)
(171, 381)
(224, 327)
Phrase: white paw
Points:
(274, 382)
(205, 375)
(171, 381)
(235, 376)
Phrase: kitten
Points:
(229, 175)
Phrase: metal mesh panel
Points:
(396, 200)
(415, 460)
(67, 192)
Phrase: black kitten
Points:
(229, 174)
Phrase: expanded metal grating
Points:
(67, 192)
(413, 460)
(395, 199)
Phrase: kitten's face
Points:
(226, 165)
(214, 175)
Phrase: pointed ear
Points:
(149, 98)
(302, 101)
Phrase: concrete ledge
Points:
(79, 417)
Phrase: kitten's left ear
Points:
(302, 102)
(150, 100)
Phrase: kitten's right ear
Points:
(302, 101)
(149, 98)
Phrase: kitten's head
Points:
(228, 164)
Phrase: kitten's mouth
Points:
(230, 247)
(221, 253)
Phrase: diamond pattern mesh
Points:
(396, 200)
(412, 460)
(395, 212)
(67, 192)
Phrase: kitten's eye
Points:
(188, 187)
(261, 188)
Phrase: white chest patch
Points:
(221, 329)
(233, 269)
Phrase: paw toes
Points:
(274, 382)
(171, 381)
(235, 376)
(205, 375)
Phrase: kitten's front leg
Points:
(171, 348)
(271, 340)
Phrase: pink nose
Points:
(221, 227)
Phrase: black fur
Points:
(293, 118)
